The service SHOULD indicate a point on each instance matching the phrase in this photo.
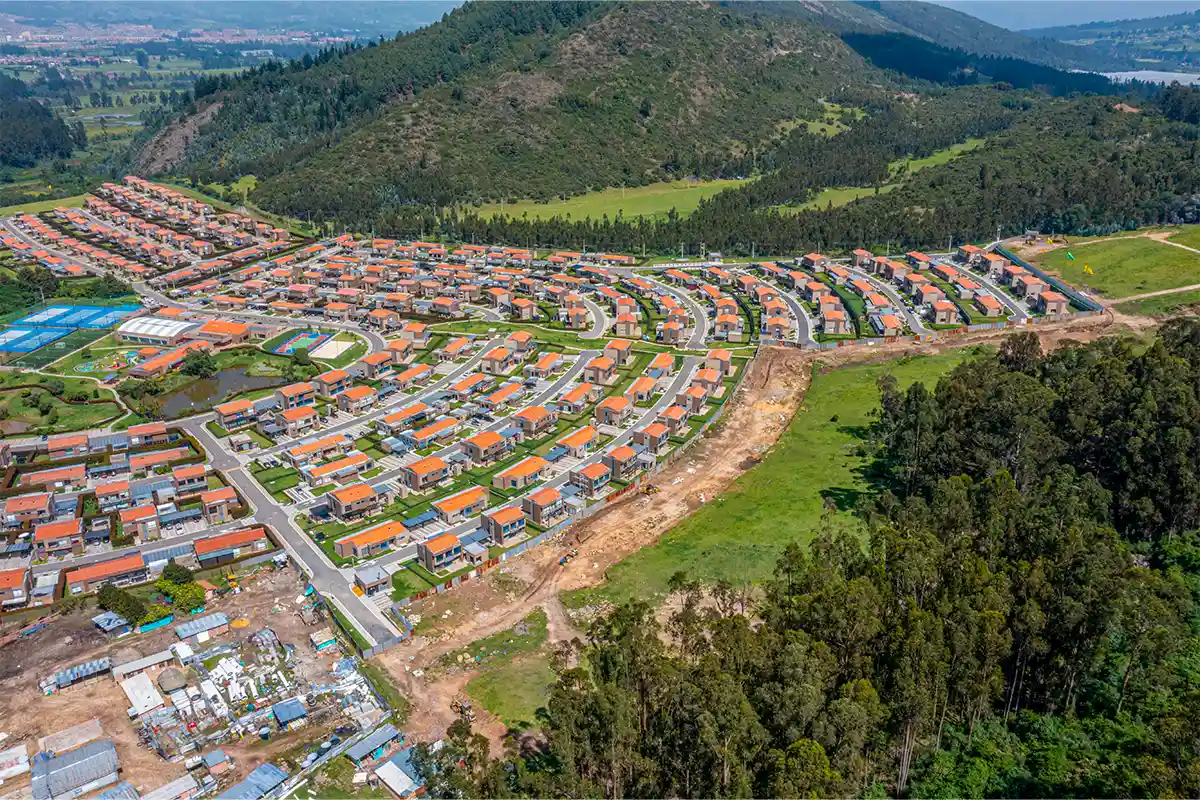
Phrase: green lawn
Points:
(653, 200)
(515, 691)
(1163, 305)
(503, 647)
(1187, 235)
(1124, 267)
(39, 206)
(740, 534)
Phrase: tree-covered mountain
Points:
(29, 131)
(526, 100)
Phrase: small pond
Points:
(207, 392)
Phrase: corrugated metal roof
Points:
(288, 710)
(122, 791)
(377, 739)
(192, 627)
(61, 775)
(184, 784)
(263, 779)
(80, 671)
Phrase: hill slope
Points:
(563, 98)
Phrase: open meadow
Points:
(1125, 266)
(654, 200)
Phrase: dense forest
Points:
(1016, 617)
(29, 131)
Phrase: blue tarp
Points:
(288, 711)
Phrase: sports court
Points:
(77, 316)
(310, 340)
(20, 339)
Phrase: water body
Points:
(209, 391)
(1154, 76)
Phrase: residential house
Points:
(420, 475)
(504, 524)
(224, 548)
(371, 541)
(833, 322)
(654, 437)
(235, 414)
(120, 571)
(988, 306)
(296, 422)
(399, 421)
(440, 551)
(575, 400)
(591, 479)
(190, 478)
(58, 539)
(545, 366)
(613, 411)
(216, 505)
(641, 390)
(332, 383)
(376, 364)
(141, 521)
(622, 462)
(943, 312)
(498, 361)
(600, 370)
(887, 325)
(544, 506)
(675, 418)
(579, 443)
(439, 431)
(28, 509)
(14, 588)
(486, 447)
(461, 505)
(296, 395)
(536, 421)
(357, 399)
(358, 500)
(415, 375)
(522, 474)
(620, 351)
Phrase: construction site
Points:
(257, 679)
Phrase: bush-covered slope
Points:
(526, 99)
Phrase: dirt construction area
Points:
(764, 406)
(266, 600)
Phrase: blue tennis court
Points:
(78, 316)
(19, 339)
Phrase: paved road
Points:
(599, 320)
(911, 316)
(1019, 310)
(489, 314)
(804, 323)
(700, 330)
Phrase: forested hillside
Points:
(532, 100)
(29, 131)
(1020, 621)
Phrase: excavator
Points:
(463, 709)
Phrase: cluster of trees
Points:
(925, 60)
(29, 131)
(177, 585)
(1020, 619)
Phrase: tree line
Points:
(29, 131)
(1015, 616)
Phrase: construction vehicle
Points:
(650, 488)
(574, 551)
(463, 709)
(231, 579)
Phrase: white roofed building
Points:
(158, 331)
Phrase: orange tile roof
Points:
(224, 328)
(188, 471)
(57, 530)
(26, 502)
(353, 493)
(298, 413)
(332, 376)
(380, 533)
(12, 578)
(294, 389)
(593, 471)
(427, 465)
(138, 513)
(600, 362)
(233, 407)
(578, 438)
(359, 392)
(546, 496)
(112, 488)
(533, 413)
(225, 493)
(463, 499)
(623, 453)
(103, 569)
(614, 403)
(655, 429)
(442, 543)
(525, 468)
(503, 516)
(227, 540)
(484, 439)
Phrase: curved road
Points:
(910, 316)
(599, 320)
(700, 330)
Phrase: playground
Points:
(111, 362)
(309, 340)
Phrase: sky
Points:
(1025, 14)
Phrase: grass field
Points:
(739, 535)
(43, 205)
(514, 691)
(654, 200)
(1187, 235)
(1163, 305)
(1124, 267)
